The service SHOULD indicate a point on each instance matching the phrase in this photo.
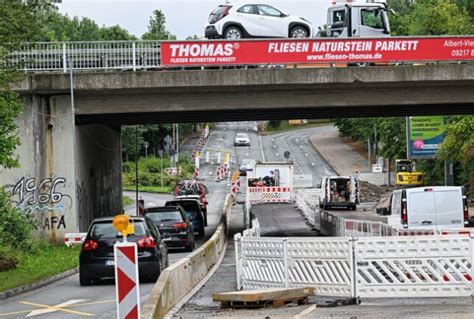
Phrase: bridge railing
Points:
(138, 55)
(100, 55)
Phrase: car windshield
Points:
(159, 217)
(104, 230)
(242, 135)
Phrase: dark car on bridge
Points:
(96, 260)
(174, 225)
(192, 207)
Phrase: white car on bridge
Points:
(255, 19)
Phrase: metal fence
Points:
(366, 267)
(102, 55)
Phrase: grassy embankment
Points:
(43, 261)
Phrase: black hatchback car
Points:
(96, 260)
(192, 207)
(174, 225)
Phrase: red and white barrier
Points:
(126, 280)
(270, 194)
(235, 186)
(71, 239)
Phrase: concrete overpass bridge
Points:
(71, 148)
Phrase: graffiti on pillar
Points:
(37, 197)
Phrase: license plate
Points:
(110, 263)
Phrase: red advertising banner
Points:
(289, 51)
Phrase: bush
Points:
(15, 232)
(149, 172)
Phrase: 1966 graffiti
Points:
(42, 193)
(36, 198)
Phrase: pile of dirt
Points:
(373, 193)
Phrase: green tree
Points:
(157, 28)
(18, 23)
(458, 146)
(430, 17)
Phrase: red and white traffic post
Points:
(126, 273)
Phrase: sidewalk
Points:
(343, 159)
(338, 154)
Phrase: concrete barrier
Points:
(179, 279)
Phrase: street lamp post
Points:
(136, 169)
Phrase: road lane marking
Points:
(91, 303)
(59, 307)
(14, 313)
(305, 312)
(261, 147)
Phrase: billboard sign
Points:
(325, 50)
(424, 135)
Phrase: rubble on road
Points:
(373, 193)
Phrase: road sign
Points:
(377, 168)
(167, 139)
(126, 280)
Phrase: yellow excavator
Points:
(406, 174)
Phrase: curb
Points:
(44, 282)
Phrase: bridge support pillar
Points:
(68, 174)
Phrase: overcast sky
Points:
(184, 17)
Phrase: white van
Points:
(434, 207)
(339, 191)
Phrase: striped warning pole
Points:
(126, 280)
(126, 271)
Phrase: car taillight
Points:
(146, 242)
(90, 245)
(180, 225)
(404, 214)
(466, 212)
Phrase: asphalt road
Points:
(99, 300)
(284, 220)
(306, 160)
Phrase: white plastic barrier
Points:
(422, 266)
(368, 267)
(323, 263)
(302, 181)
(307, 201)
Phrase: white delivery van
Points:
(339, 191)
(271, 174)
(434, 207)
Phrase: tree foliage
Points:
(431, 17)
(19, 21)
(157, 28)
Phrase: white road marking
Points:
(261, 147)
(51, 309)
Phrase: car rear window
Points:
(159, 217)
(216, 15)
(107, 230)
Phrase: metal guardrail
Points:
(102, 55)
